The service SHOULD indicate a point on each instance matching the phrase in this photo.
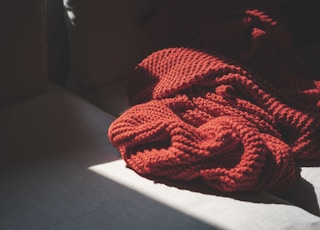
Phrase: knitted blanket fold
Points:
(195, 115)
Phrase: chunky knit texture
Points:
(195, 115)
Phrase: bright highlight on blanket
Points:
(240, 121)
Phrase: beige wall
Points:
(23, 62)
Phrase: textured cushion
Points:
(56, 137)
(53, 123)
(70, 177)
(112, 97)
(23, 49)
(106, 40)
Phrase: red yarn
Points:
(195, 115)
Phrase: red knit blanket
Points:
(195, 115)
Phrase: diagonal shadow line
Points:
(302, 194)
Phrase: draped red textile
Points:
(238, 123)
